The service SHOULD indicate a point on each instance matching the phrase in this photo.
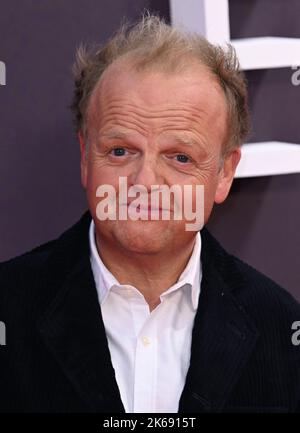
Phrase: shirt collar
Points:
(105, 280)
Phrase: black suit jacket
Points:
(57, 359)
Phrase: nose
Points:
(146, 172)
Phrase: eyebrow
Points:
(185, 140)
(181, 139)
(113, 134)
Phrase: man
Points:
(141, 314)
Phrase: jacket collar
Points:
(72, 326)
(73, 330)
(223, 336)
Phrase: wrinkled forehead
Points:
(154, 92)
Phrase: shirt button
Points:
(146, 341)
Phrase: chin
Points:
(143, 237)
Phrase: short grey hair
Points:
(152, 43)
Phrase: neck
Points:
(150, 274)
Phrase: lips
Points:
(149, 208)
(140, 208)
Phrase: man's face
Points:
(156, 129)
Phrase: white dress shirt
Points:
(150, 352)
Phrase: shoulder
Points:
(25, 265)
(258, 293)
(30, 259)
(273, 310)
(263, 287)
(35, 259)
(20, 280)
(270, 310)
(29, 278)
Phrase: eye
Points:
(182, 158)
(118, 151)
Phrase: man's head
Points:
(158, 106)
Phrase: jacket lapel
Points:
(73, 329)
(223, 335)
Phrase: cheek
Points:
(209, 183)
(100, 175)
(209, 197)
(95, 178)
(209, 192)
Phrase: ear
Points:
(226, 175)
(83, 160)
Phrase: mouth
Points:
(149, 208)
(157, 212)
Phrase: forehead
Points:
(153, 97)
